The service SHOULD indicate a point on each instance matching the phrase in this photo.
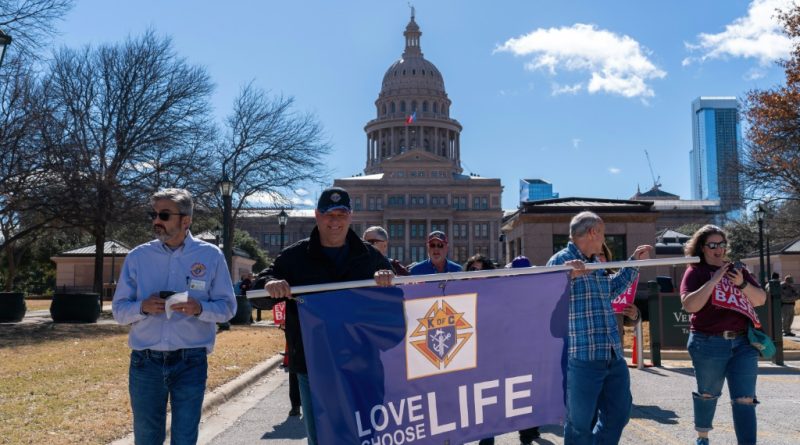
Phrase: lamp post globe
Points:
(5, 40)
(283, 219)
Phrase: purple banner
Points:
(437, 363)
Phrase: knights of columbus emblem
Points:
(440, 334)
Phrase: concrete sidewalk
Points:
(662, 411)
(253, 407)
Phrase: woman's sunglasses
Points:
(163, 216)
(713, 245)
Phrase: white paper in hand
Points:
(181, 297)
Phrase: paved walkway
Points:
(662, 411)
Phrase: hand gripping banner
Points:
(437, 362)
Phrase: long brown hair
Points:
(694, 247)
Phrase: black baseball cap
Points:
(333, 198)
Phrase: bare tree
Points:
(122, 121)
(21, 170)
(30, 22)
(268, 148)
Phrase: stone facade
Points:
(262, 224)
(541, 228)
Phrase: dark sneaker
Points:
(789, 334)
(295, 411)
(527, 436)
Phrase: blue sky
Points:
(572, 92)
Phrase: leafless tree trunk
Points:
(21, 168)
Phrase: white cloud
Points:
(759, 35)
(508, 93)
(267, 199)
(566, 89)
(301, 202)
(754, 74)
(615, 64)
(274, 199)
(614, 170)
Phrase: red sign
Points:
(727, 295)
(279, 313)
(626, 298)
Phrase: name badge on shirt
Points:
(197, 285)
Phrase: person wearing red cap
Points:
(437, 261)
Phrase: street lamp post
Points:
(5, 40)
(283, 218)
(766, 244)
(113, 263)
(217, 232)
(226, 190)
(760, 218)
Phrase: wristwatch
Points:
(743, 285)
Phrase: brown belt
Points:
(730, 335)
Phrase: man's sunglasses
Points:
(374, 241)
(713, 245)
(436, 246)
(163, 216)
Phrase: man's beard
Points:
(162, 234)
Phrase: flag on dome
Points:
(411, 118)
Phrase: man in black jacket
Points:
(333, 253)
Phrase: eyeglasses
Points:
(436, 246)
(374, 241)
(713, 245)
(163, 216)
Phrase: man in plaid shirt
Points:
(597, 375)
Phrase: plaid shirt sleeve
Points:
(592, 325)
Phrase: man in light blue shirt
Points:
(437, 261)
(168, 357)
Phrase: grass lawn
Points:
(35, 305)
(68, 383)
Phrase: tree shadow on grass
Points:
(22, 334)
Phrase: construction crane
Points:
(656, 184)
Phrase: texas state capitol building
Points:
(413, 182)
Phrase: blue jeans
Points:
(601, 387)
(155, 377)
(716, 359)
(308, 408)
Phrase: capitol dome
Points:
(412, 70)
(412, 110)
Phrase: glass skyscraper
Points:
(716, 151)
(535, 190)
